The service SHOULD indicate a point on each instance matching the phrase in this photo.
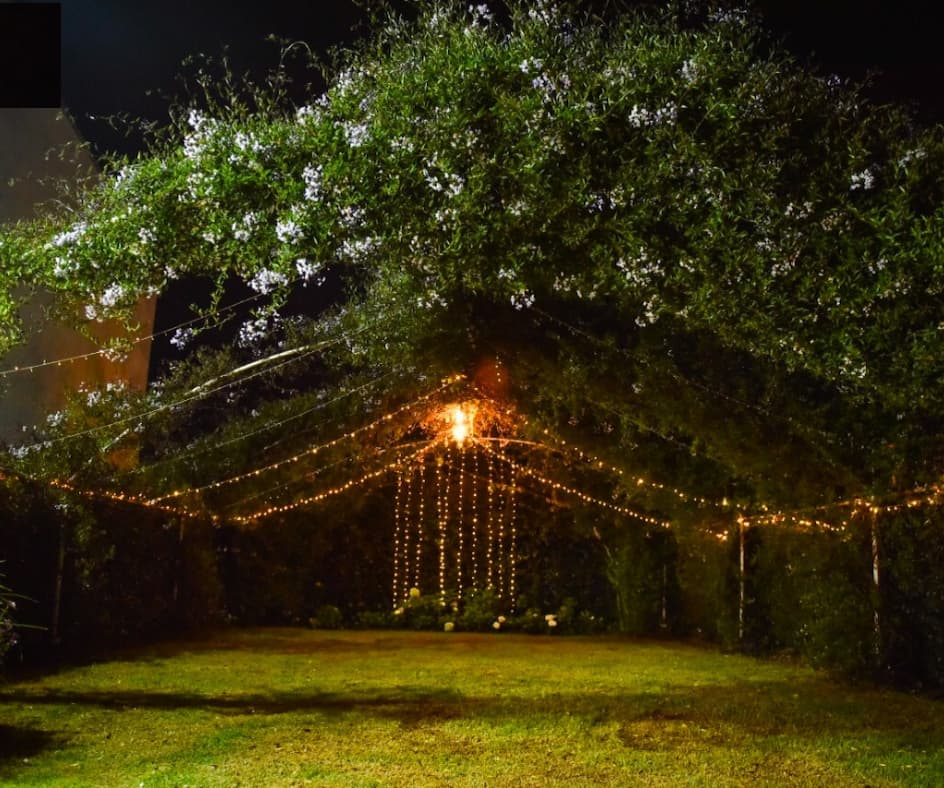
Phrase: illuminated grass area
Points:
(288, 707)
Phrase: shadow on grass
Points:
(296, 641)
(675, 717)
(18, 743)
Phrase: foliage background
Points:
(689, 255)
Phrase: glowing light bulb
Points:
(461, 424)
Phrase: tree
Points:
(674, 236)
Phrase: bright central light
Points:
(461, 424)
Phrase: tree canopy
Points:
(688, 252)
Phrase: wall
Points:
(30, 140)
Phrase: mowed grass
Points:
(294, 707)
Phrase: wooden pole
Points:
(876, 590)
(178, 569)
(664, 622)
(57, 594)
(741, 588)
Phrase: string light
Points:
(58, 362)
(475, 518)
(120, 497)
(397, 519)
(513, 553)
(460, 521)
(640, 481)
(348, 485)
(264, 428)
(442, 504)
(490, 525)
(421, 516)
(502, 588)
(139, 417)
(313, 450)
(407, 554)
(576, 493)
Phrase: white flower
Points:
(864, 180)
(480, 14)
(432, 181)
(62, 267)
(307, 113)
(254, 330)
(112, 295)
(243, 231)
(312, 178)
(146, 235)
(496, 625)
(910, 156)
(356, 133)
(351, 216)
(196, 119)
(729, 16)
(71, 235)
(522, 300)
(181, 337)
(288, 231)
(91, 313)
(306, 269)
(640, 116)
(245, 142)
(531, 65)
(93, 398)
(55, 419)
(265, 280)
(358, 248)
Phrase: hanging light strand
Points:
(199, 393)
(564, 446)
(106, 352)
(442, 504)
(312, 450)
(271, 425)
(397, 525)
(107, 495)
(474, 523)
(500, 526)
(460, 519)
(409, 516)
(624, 510)
(513, 552)
(420, 517)
(341, 488)
(490, 523)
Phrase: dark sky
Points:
(113, 51)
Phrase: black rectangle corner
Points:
(30, 55)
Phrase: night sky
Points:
(113, 51)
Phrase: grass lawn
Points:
(294, 707)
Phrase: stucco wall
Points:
(26, 137)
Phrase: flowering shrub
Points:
(665, 163)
